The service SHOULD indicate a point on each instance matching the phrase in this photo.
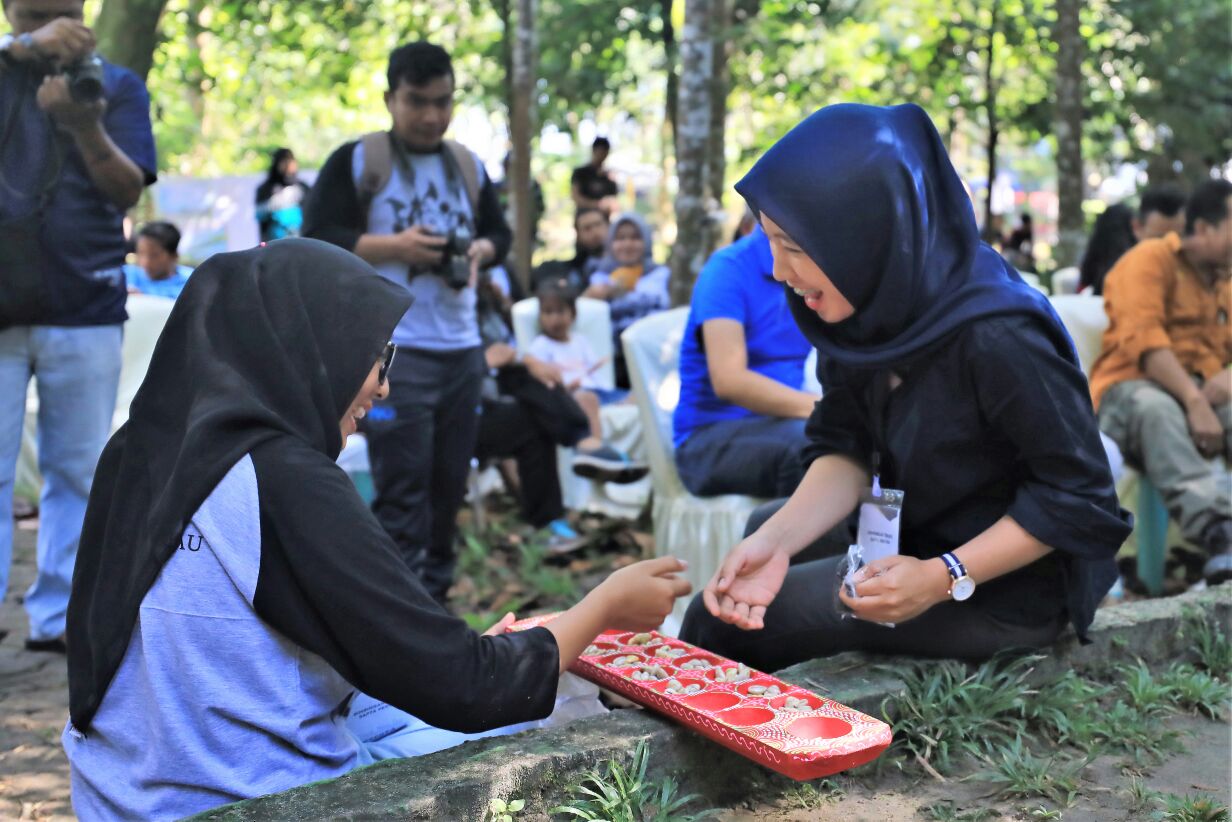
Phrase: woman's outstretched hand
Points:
(898, 588)
(747, 582)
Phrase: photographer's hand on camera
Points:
(419, 246)
(481, 252)
(60, 42)
(110, 169)
(73, 116)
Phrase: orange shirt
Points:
(1155, 299)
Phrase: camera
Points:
(85, 79)
(455, 268)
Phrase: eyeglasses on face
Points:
(387, 359)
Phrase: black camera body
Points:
(455, 268)
(85, 79)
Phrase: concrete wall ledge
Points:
(538, 766)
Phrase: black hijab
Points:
(870, 195)
(271, 342)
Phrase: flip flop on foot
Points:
(606, 464)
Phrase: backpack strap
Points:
(378, 167)
(464, 160)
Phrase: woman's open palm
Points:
(746, 583)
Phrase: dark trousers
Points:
(508, 429)
(803, 622)
(420, 443)
(756, 456)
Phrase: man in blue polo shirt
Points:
(739, 424)
(71, 164)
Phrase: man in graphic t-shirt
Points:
(427, 190)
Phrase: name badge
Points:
(881, 515)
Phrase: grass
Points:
(623, 793)
(1019, 774)
(946, 812)
(502, 570)
(1211, 645)
(1199, 808)
(1196, 692)
(949, 711)
(812, 795)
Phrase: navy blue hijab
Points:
(870, 195)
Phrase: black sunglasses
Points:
(387, 359)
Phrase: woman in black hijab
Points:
(945, 377)
(232, 590)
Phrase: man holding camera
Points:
(423, 212)
(76, 150)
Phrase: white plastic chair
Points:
(700, 530)
(146, 317)
(1065, 280)
(622, 427)
(593, 323)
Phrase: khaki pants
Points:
(1149, 426)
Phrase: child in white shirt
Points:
(559, 346)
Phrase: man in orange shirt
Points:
(1162, 382)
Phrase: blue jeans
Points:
(77, 372)
(755, 456)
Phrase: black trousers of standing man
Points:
(420, 443)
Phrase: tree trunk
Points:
(521, 128)
(719, 81)
(1070, 178)
(990, 110)
(505, 13)
(693, 226)
(672, 111)
(127, 32)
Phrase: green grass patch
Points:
(950, 711)
(1016, 773)
(623, 793)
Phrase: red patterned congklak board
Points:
(794, 731)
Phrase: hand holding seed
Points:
(640, 596)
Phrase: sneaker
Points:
(1218, 542)
(561, 528)
(606, 464)
(562, 539)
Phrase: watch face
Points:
(962, 589)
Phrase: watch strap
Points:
(954, 565)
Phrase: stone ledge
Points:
(537, 766)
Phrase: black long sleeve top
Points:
(992, 422)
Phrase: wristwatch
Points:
(963, 586)
(7, 41)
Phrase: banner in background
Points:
(213, 215)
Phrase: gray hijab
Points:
(609, 263)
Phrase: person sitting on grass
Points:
(945, 377)
(158, 271)
(559, 346)
(233, 592)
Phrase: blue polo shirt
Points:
(82, 232)
(737, 284)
